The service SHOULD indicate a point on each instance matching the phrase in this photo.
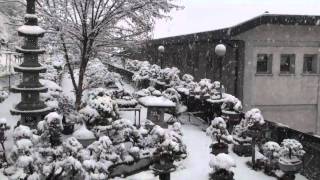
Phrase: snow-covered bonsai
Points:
(50, 129)
(216, 90)
(231, 104)
(202, 89)
(186, 84)
(219, 135)
(271, 150)
(221, 165)
(100, 100)
(169, 76)
(68, 111)
(3, 137)
(124, 99)
(290, 160)
(51, 97)
(231, 110)
(141, 78)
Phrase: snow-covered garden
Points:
(79, 120)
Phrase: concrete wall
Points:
(289, 99)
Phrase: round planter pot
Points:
(242, 150)
(290, 165)
(218, 148)
(221, 175)
(233, 118)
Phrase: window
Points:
(264, 63)
(287, 63)
(310, 64)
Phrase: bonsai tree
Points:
(291, 148)
(231, 103)
(219, 135)
(51, 97)
(221, 165)
(271, 150)
(3, 128)
(216, 90)
(51, 128)
(291, 152)
(202, 90)
(186, 84)
(124, 99)
(100, 100)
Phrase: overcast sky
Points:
(205, 15)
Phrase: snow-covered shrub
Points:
(254, 117)
(89, 114)
(171, 94)
(216, 90)
(97, 75)
(100, 100)
(125, 99)
(187, 78)
(122, 130)
(54, 92)
(54, 67)
(291, 148)
(142, 93)
(154, 71)
(141, 75)
(170, 76)
(168, 143)
(22, 132)
(3, 95)
(231, 103)
(271, 149)
(51, 128)
(71, 146)
(222, 161)
(135, 65)
(218, 131)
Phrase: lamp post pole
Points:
(220, 50)
(161, 51)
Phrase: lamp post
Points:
(161, 51)
(220, 50)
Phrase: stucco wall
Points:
(289, 99)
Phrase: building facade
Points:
(272, 63)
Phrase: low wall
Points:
(274, 132)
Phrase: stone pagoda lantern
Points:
(30, 108)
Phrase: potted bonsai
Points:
(255, 121)
(219, 135)
(221, 167)
(231, 110)
(291, 153)
(271, 150)
(242, 142)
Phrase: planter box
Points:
(233, 118)
(218, 148)
(125, 169)
(290, 165)
(243, 148)
(221, 175)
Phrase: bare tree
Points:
(92, 25)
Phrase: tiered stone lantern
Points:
(30, 108)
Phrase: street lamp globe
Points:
(220, 50)
(161, 48)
